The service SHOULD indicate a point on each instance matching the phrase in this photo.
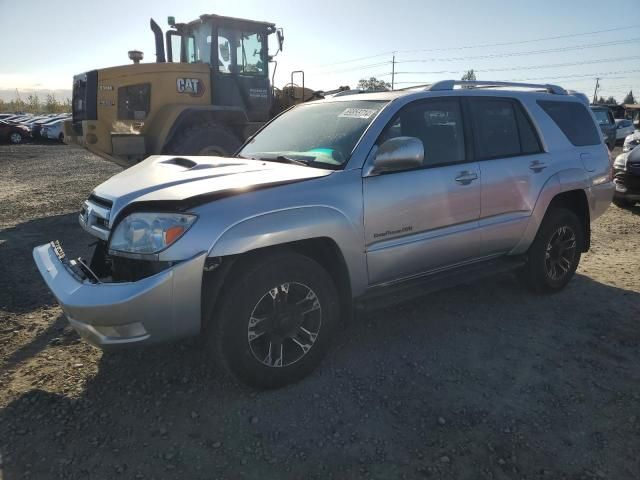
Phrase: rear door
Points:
(512, 164)
(423, 219)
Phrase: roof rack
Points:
(449, 84)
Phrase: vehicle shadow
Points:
(21, 286)
(487, 375)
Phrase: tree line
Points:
(34, 104)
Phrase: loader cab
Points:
(236, 51)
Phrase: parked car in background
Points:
(36, 128)
(626, 168)
(607, 124)
(631, 142)
(13, 133)
(53, 130)
(624, 128)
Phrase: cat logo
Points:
(191, 86)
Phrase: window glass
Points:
(438, 124)
(134, 102)
(528, 139)
(574, 120)
(495, 128)
(249, 54)
(176, 42)
(242, 53)
(199, 45)
(224, 50)
(602, 116)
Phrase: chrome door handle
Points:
(537, 166)
(465, 178)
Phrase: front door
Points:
(423, 219)
(241, 77)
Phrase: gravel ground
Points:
(482, 381)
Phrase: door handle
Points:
(537, 166)
(465, 178)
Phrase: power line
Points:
(527, 67)
(519, 54)
(520, 42)
(601, 75)
(464, 47)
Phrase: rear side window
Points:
(501, 129)
(574, 120)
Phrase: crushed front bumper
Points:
(163, 307)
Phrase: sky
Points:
(338, 42)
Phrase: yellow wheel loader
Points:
(207, 92)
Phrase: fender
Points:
(171, 118)
(296, 224)
(562, 181)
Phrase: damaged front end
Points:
(112, 301)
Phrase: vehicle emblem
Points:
(191, 86)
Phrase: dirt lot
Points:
(481, 381)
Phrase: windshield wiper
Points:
(284, 159)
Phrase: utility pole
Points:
(393, 71)
(595, 92)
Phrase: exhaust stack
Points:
(157, 33)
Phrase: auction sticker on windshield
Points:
(357, 113)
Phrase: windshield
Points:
(198, 48)
(322, 134)
(602, 116)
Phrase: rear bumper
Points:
(163, 307)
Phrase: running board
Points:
(381, 296)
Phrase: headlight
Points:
(621, 162)
(146, 233)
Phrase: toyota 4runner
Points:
(355, 201)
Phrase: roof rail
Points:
(449, 84)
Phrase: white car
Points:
(53, 131)
(631, 141)
(624, 128)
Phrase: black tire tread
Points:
(189, 141)
(533, 274)
(241, 280)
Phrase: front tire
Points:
(207, 139)
(275, 320)
(555, 253)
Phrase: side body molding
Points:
(562, 181)
(296, 224)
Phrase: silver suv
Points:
(355, 201)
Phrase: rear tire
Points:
(207, 139)
(16, 138)
(554, 255)
(275, 320)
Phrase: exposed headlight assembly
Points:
(142, 234)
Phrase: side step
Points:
(381, 296)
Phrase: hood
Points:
(196, 179)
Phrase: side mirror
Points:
(400, 153)
(280, 36)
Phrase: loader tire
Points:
(208, 139)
